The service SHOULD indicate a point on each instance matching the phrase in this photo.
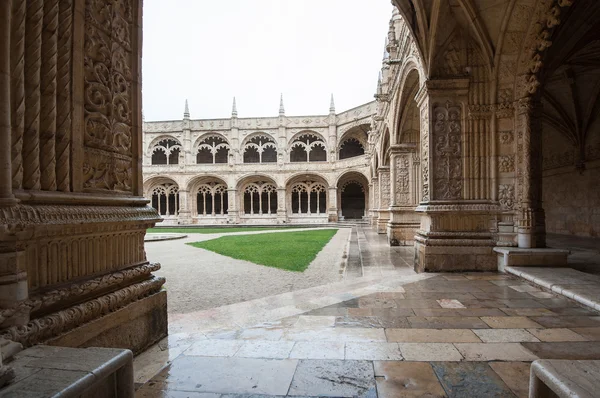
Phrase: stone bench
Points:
(519, 257)
(564, 378)
(45, 371)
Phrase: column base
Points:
(382, 220)
(402, 227)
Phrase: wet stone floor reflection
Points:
(451, 335)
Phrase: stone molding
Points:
(49, 326)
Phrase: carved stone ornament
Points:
(506, 137)
(384, 183)
(447, 151)
(506, 196)
(506, 164)
(402, 179)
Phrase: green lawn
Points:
(292, 251)
(214, 230)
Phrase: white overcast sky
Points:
(210, 51)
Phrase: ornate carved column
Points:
(455, 232)
(384, 199)
(332, 209)
(531, 217)
(374, 188)
(404, 221)
(233, 209)
(281, 206)
(73, 270)
(185, 215)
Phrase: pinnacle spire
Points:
(234, 109)
(379, 87)
(281, 108)
(186, 111)
(332, 105)
(386, 54)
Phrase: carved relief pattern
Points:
(506, 164)
(425, 150)
(447, 152)
(506, 196)
(17, 68)
(402, 180)
(108, 79)
(506, 137)
(384, 183)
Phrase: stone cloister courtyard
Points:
(358, 322)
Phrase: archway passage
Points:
(353, 200)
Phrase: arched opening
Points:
(211, 199)
(353, 200)
(308, 148)
(308, 197)
(260, 149)
(165, 199)
(212, 149)
(260, 198)
(351, 148)
(166, 151)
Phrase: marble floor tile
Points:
(393, 322)
(318, 350)
(568, 350)
(450, 303)
(416, 303)
(206, 374)
(515, 375)
(358, 322)
(406, 379)
(573, 311)
(488, 277)
(521, 303)
(431, 336)
(455, 277)
(527, 312)
(265, 349)
(495, 352)
(505, 282)
(334, 378)
(150, 362)
(260, 334)
(214, 348)
(504, 335)
(429, 352)
(308, 321)
(556, 303)
(556, 335)
(373, 351)
(381, 312)
(438, 295)
(146, 392)
(592, 334)
(542, 295)
(568, 321)
(510, 322)
(446, 322)
(374, 302)
(328, 311)
(335, 334)
(470, 379)
(525, 288)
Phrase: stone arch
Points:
(259, 148)
(308, 146)
(211, 148)
(209, 196)
(307, 194)
(163, 193)
(165, 150)
(354, 141)
(258, 196)
(353, 195)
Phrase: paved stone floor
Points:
(585, 252)
(390, 333)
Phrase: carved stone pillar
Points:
(73, 270)
(454, 234)
(384, 199)
(531, 217)
(332, 209)
(233, 209)
(375, 201)
(185, 215)
(281, 207)
(404, 221)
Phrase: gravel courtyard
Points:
(198, 279)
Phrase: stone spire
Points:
(386, 54)
(281, 108)
(379, 87)
(234, 109)
(332, 105)
(186, 111)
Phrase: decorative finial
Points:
(234, 109)
(379, 87)
(281, 108)
(386, 54)
(186, 112)
(332, 105)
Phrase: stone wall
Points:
(572, 200)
